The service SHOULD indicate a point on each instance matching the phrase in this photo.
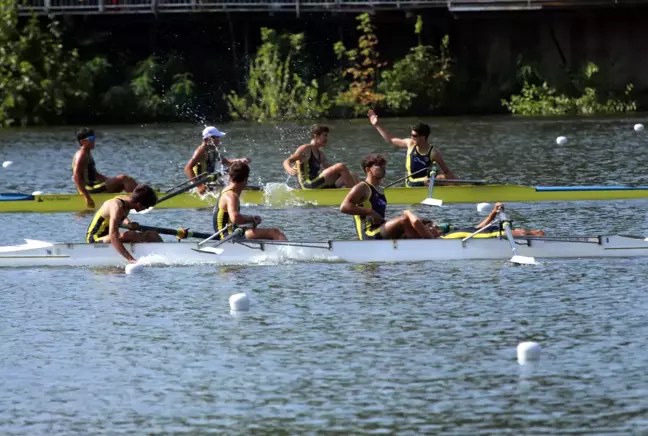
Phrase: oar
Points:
(180, 233)
(429, 200)
(192, 183)
(517, 259)
(449, 181)
(407, 176)
(188, 181)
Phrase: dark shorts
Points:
(96, 187)
(317, 183)
(95, 238)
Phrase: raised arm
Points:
(116, 218)
(297, 155)
(81, 162)
(491, 216)
(398, 142)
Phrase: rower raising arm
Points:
(420, 154)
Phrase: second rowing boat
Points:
(281, 195)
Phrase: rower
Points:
(367, 203)
(207, 155)
(421, 155)
(488, 228)
(104, 227)
(311, 167)
(226, 213)
(85, 175)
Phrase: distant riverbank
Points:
(138, 69)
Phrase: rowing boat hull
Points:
(281, 195)
(38, 253)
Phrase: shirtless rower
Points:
(85, 175)
(421, 155)
(367, 203)
(491, 229)
(104, 227)
(312, 168)
(227, 214)
(207, 155)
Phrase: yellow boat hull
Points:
(281, 195)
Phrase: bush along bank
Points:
(45, 81)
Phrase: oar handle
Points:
(406, 177)
(200, 180)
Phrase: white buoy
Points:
(528, 352)
(37, 193)
(7, 164)
(483, 207)
(134, 268)
(239, 302)
(561, 140)
(638, 127)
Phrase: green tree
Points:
(361, 70)
(37, 74)
(418, 82)
(537, 98)
(275, 91)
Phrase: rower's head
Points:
(435, 228)
(420, 133)
(319, 135)
(211, 135)
(239, 172)
(143, 197)
(374, 165)
(86, 138)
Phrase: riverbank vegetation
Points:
(45, 79)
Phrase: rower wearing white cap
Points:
(207, 155)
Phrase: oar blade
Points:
(211, 250)
(523, 260)
(432, 202)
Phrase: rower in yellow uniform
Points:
(104, 227)
(85, 175)
(312, 168)
(490, 228)
(207, 155)
(367, 203)
(421, 155)
(227, 214)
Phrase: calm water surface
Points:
(422, 348)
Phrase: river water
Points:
(422, 348)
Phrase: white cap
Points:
(212, 131)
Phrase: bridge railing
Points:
(87, 7)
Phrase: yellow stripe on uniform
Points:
(97, 229)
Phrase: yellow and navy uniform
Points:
(450, 232)
(365, 227)
(221, 218)
(90, 177)
(100, 226)
(208, 162)
(308, 173)
(415, 163)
